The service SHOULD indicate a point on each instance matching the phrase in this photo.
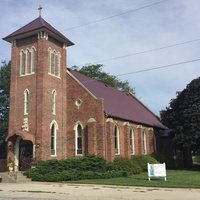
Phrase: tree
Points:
(96, 72)
(4, 103)
(183, 117)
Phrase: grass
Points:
(175, 179)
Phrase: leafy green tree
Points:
(96, 72)
(183, 117)
(4, 103)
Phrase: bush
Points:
(127, 165)
(170, 164)
(87, 167)
(142, 161)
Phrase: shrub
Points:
(142, 161)
(87, 167)
(127, 165)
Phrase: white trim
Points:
(27, 56)
(144, 142)
(53, 122)
(110, 120)
(132, 139)
(26, 101)
(118, 138)
(55, 137)
(71, 75)
(53, 101)
(55, 66)
(76, 137)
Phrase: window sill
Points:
(53, 155)
(54, 75)
(22, 75)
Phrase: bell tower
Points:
(38, 95)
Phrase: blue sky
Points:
(142, 27)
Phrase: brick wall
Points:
(74, 104)
(90, 114)
(124, 137)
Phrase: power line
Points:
(160, 67)
(113, 16)
(147, 51)
(152, 68)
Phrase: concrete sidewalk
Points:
(55, 191)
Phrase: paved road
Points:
(55, 191)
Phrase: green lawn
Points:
(175, 179)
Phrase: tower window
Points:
(54, 62)
(22, 62)
(26, 101)
(27, 61)
(33, 59)
(54, 102)
(116, 140)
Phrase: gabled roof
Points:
(39, 24)
(119, 104)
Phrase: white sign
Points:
(156, 171)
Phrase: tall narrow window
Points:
(26, 101)
(144, 143)
(54, 62)
(53, 138)
(132, 142)
(56, 65)
(49, 60)
(28, 61)
(33, 60)
(116, 140)
(22, 63)
(54, 102)
(79, 140)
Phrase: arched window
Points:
(22, 62)
(132, 142)
(26, 101)
(33, 59)
(53, 128)
(144, 142)
(28, 57)
(54, 62)
(28, 61)
(57, 64)
(49, 60)
(54, 102)
(79, 140)
(116, 140)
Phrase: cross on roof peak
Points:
(40, 10)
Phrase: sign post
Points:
(156, 171)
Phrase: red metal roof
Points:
(119, 104)
(37, 24)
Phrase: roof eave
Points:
(138, 122)
(11, 37)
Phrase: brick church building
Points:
(56, 112)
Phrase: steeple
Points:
(35, 26)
